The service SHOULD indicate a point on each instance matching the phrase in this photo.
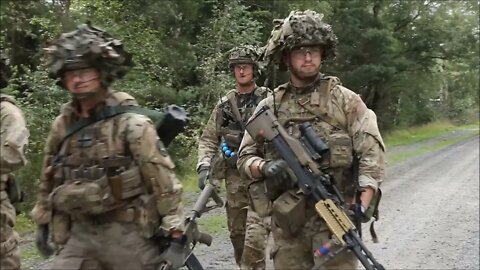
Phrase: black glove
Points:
(175, 255)
(202, 176)
(275, 169)
(41, 241)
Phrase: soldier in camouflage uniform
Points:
(221, 138)
(108, 186)
(13, 139)
(339, 116)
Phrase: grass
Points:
(24, 224)
(398, 157)
(213, 224)
(423, 132)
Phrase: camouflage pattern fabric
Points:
(107, 246)
(300, 28)
(340, 114)
(88, 46)
(13, 139)
(122, 149)
(210, 156)
(256, 239)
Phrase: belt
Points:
(129, 215)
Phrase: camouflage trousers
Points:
(298, 251)
(9, 252)
(236, 208)
(256, 238)
(109, 246)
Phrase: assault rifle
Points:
(192, 233)
(302, 156)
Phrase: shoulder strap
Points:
(326, 85)
(108, 112)
(231, 96)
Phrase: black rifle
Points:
(302, 157)
(192, 233)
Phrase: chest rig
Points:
(316, 104)
(93, 170)
(234, 111)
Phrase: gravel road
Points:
(429, 214)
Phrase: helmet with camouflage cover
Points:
(245, 54)
(87, 47)
(300, 28)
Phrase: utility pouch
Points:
(233, 140)
(259, 200)
(341, 150)
(60, 223)
(126, 184)
(13, 190)
(289, 212)
(149, 219)
(83, 197)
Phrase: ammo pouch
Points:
(127, 184)
(289, 212)
(258, 199)
(341, 150)
(149, 219)
(60, 223)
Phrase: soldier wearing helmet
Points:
(13, 144)
(219, 142)
(301, 42)
(107, 185)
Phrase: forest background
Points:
(412, 61)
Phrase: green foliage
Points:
(411, 61)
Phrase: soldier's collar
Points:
(307, 88)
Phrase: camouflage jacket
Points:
(125, 144)
(339, 117)
(223, 125)
(13, 136)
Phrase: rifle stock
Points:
(313, 182)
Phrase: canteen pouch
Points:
(289, 212)
(259, 200)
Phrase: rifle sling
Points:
(233, 102)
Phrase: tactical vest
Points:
(93, 170)
(316, 105)
(234, 112)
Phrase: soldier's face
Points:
(243, 73)
(304, 62)
(82, 81)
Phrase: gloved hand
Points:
(202, 176)
(41, 241)
(175, 255)
(275, 169)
